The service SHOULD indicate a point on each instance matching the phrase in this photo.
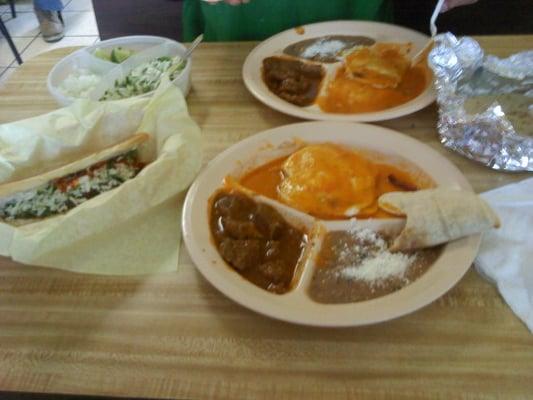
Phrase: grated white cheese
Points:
(368, 235)
(378, 264)
(323, 48)
(382, 266)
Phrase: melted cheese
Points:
(329, 181)
(382, 65)
(348, 96)
(372, 79)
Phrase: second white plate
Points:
(251, 71)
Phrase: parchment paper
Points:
(133, 229)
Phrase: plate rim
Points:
(420, 102)
(242, 298)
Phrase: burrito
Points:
(57, 191)
(436, 216)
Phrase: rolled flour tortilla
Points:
(436, 216)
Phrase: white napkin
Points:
(506, 254)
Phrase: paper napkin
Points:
(506, 254)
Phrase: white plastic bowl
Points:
(65, 66)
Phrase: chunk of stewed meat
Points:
(238, 207)
(274, 270)
(255, 240)
(240, 229)
(272, 249)
(294, 80)
(242, 254)
(269, 222)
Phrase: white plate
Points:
(251, 71)
(296, 306)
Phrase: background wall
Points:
(163, 17)
(486, 17)
(138, 17)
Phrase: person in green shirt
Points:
(231, 20)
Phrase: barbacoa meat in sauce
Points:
(295, 81)
(256, 241)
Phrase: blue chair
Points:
(5, 33)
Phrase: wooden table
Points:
(173, 335)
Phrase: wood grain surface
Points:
(174, 336)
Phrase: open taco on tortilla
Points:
(60, 190)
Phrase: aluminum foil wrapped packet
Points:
(485, 103)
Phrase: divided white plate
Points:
(295, 306)
(251, 71)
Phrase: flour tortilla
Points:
(12, 188)
(436, 216)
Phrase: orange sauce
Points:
(347, 95)
(266, 179)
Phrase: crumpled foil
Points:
(463, 72)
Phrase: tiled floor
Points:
(80, 30)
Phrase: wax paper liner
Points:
(132, 229)
(462, 70)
